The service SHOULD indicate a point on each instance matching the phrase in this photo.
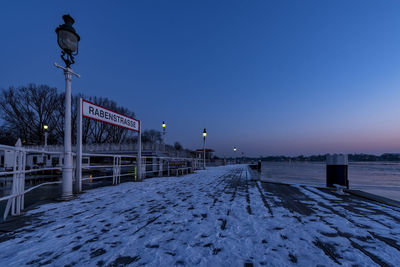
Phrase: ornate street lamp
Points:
(68, 40)
(204, 147)
(234, 150)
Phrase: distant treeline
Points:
(321, 158)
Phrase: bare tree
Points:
(151, 136)
(7, 137)
(106, 133)
(58, 119)
(93, 131)
(26, 109)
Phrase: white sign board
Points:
(98, 113)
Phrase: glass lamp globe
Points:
(67, 37)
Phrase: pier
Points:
(219, 216)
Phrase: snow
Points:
(215, 217)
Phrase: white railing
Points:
(18, 161)
(115, 166)
(15, 159)
(164, 149)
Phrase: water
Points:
(380, 178)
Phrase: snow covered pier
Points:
(215, 217)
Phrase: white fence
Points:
(20, 165)
(14, 167)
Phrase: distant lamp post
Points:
(68, 40)
(163, 128)
(204, 147)
(46, 128)
(163, 138)
(234, 150)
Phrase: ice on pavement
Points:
(214, 217)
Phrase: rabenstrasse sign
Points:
(96, 112)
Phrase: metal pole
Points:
(204, 152)
(163, 138)
(78, 170)
(67, 168)
(45, 139)
(139, 155)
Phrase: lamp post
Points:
(163, 133)
(68, 40)
(204, 148)
(234, 150)
(45, 127)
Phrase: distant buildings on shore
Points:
(322, 158)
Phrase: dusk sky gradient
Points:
(270, 77)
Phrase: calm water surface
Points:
(380, 178)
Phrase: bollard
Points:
(337, 170)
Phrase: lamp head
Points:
(68, 40)
(67, 37)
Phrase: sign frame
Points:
(78, 169)
(111, 111)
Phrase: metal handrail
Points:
(29, 171)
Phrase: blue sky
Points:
(270, 77)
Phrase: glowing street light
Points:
(67, 40)
(163, 127)
(204, 147)
(45, 127)
(163, 138)
(234, 150)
